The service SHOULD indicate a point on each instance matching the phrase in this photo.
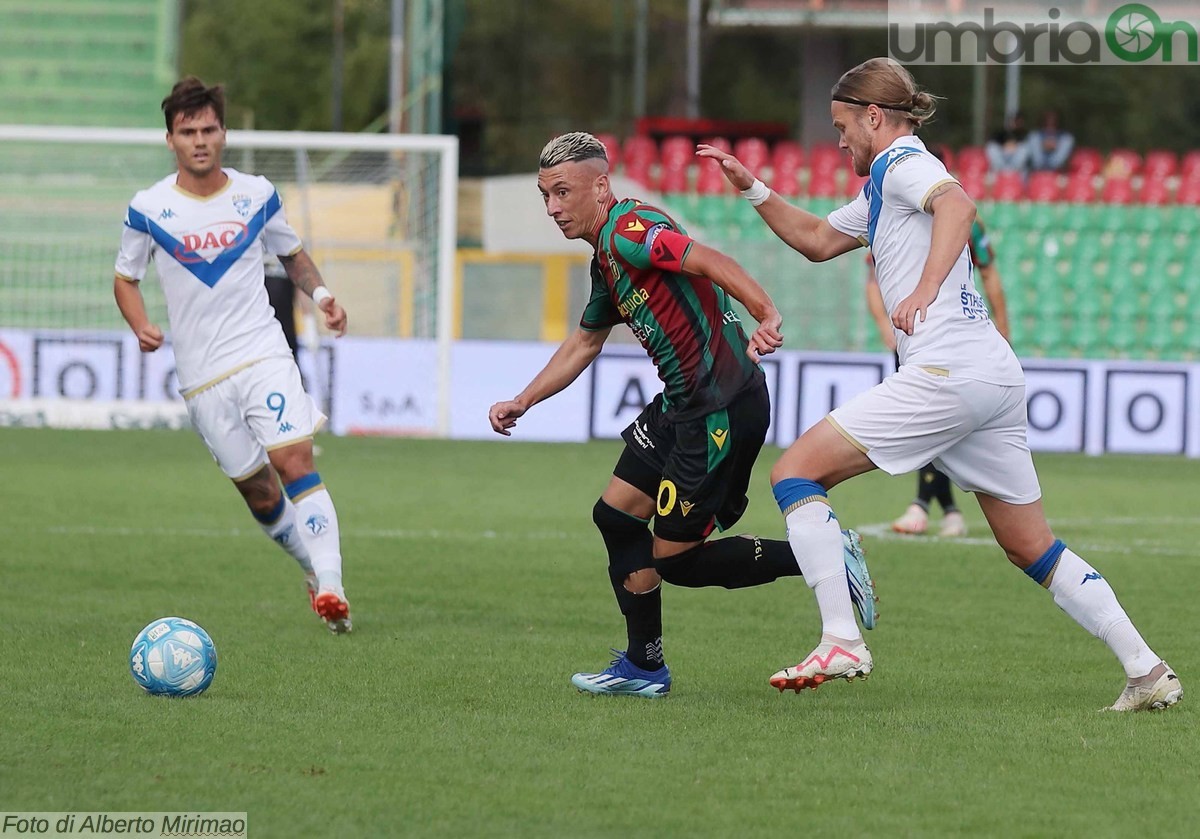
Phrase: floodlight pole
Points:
(693, 59)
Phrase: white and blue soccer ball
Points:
(173, 657)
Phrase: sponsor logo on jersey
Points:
(686, 507)
(285, 427)
(718, 437)
(166, 213)
(209, 241)
(632, 302)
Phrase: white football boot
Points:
(828, 661)
(914, 521)
(1152, 695)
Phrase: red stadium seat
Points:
(677, 151)
(786, 182)
(1123, 163)
(822, 184)
(1160, 163)
(825, 158)
(787, 154)
(1117, 190)
(640, 152)
(1154, 191)
(674, 179)
(752, 152)
(973, 183)
(947, 156)
(639, 171)
(613, 146)
(1190, 165)
(972, 159)
(1080, 189)
(710, 180)
(1043, 186)
(1008, 186)
(854, 185)
(1085, 161)
(1189, 192)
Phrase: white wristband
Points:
(321, 294)
(757, 193)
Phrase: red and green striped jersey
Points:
(687, 324)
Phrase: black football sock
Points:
(926, 486)
(943, 492)
(631, 548)
(733, 562)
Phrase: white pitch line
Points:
(367, 533)
(1132, 546)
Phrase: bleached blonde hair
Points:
(571, 148)
(887, 84)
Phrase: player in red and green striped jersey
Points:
(689, 455)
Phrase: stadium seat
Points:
(1079, 189)
(613, 147)
(971, 159)
(1154, 191)
(640, 171)
(822, 183)
(710, 180)
(752, 152)
(1160, 164)
(1008, 186)
(1189, 167)
(787, 154)
(674, 179)
(1117, 190)
(974, 183)
(1043, 186)
(640, 151)
(786, 182)
(1189, 191)
(677, 151)
(825, 158)
(1085, 161)
(1123, 163)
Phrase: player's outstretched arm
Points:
(303, 273)
(569, 360)
(953, 214)
(811, 235)
(703, 261)
(133, 309)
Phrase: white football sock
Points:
(816, 540)
(1082, 593)
(283, 532)
(317, 524)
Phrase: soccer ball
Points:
(173, 657)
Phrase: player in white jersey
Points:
(206, 227)
(958, 399)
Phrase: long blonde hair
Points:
(886, 84)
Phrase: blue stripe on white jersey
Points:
(209, 273)
(873, 189)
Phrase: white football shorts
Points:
(252, 411)
(973, 431)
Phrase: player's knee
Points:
(642, 581)
(678, 569)
(613, 522)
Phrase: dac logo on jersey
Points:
(241, 203)
(317, 524)
(210, 241)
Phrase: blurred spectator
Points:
(1049, 146)
(1008, 150)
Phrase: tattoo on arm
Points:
(302, 271)
(946, 187)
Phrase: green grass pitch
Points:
(478, 587)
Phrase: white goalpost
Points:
(377, 213)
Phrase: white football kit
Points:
(958, 399)
(208, 252)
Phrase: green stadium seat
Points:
(1076, 216)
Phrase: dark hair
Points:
(190, 96)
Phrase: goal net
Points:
(376, 212)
